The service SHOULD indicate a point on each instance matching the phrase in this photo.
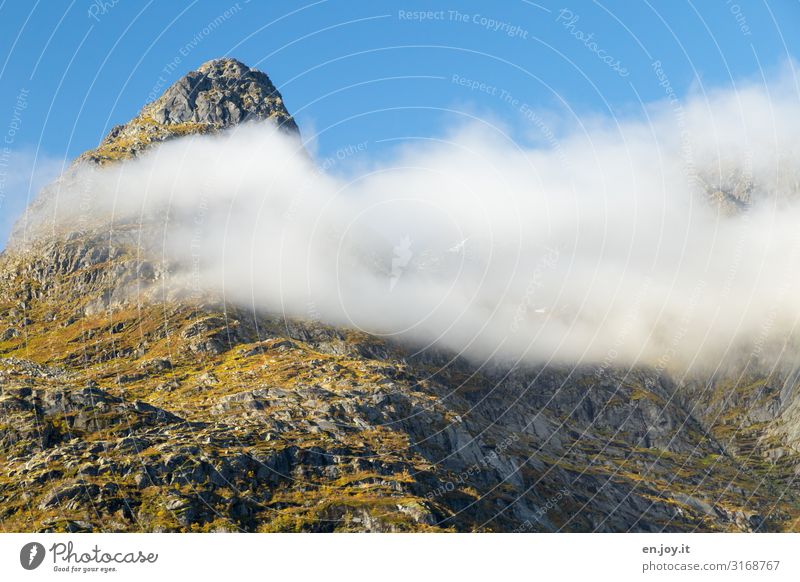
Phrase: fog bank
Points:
(666, 242)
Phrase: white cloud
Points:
(596, 247)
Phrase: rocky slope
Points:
(128, 407)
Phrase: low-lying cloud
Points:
(599, 247)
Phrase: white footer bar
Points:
(400, 557)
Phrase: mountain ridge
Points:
(130, 405)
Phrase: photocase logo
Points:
(31, 555)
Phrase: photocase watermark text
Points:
(100, 8)
(477, 19)
(569, 21)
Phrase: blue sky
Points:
(365, 72)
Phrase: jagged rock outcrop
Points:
(127, 405)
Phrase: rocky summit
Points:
(151, 411)
(220, 94)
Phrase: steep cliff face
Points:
(129, 405)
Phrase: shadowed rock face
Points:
(126, 406)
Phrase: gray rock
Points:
(222, 93)
(9, 334)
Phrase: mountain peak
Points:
(220, 94)
(224, 65)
